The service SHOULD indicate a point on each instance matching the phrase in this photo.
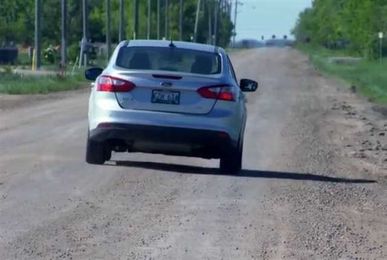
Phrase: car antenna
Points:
(171, 44)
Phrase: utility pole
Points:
(149, 20)
(209, 23)
(63, 45)
(108, 29)
(223, 4)
(166, 20)
(381, 36)
(235, 20)
(135, 22)
(216, 16)
(83, 52)
(158, 19)
(38, 14)
(121, 33)
(229, 8)
(196, 21)
(85, 14)
(181, 21)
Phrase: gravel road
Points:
(313, 185)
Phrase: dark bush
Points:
(8, 55)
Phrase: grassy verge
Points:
(22, 84)
(369, 77)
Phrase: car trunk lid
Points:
(167, 92)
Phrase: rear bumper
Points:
(164, 140)
(222, 118)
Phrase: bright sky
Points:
(267, 17)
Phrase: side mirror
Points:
(93, 73)
(248, 85)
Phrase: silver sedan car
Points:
(174, 98)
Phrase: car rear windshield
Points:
(169, 59)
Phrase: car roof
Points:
(178, 44)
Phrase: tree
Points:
(17, 22)
(350, 24)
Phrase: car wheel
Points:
(107, 153)
(231, 160)
(95, 152)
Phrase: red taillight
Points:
(209, 92)
(220, 92)
(111, 84)
(226, 94)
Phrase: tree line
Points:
(344, 24)
(17, 21)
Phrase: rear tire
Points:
(107, 153)
(95, 152)
(231, 160)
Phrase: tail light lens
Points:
(220, 92)
(111, 84)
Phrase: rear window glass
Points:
(169, 59)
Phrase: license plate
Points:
(166, 97)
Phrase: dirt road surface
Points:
(313, 185)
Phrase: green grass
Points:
(369, 76)
(19, 84)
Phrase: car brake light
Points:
(220, 92)
(111, 84)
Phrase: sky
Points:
(267, 17)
